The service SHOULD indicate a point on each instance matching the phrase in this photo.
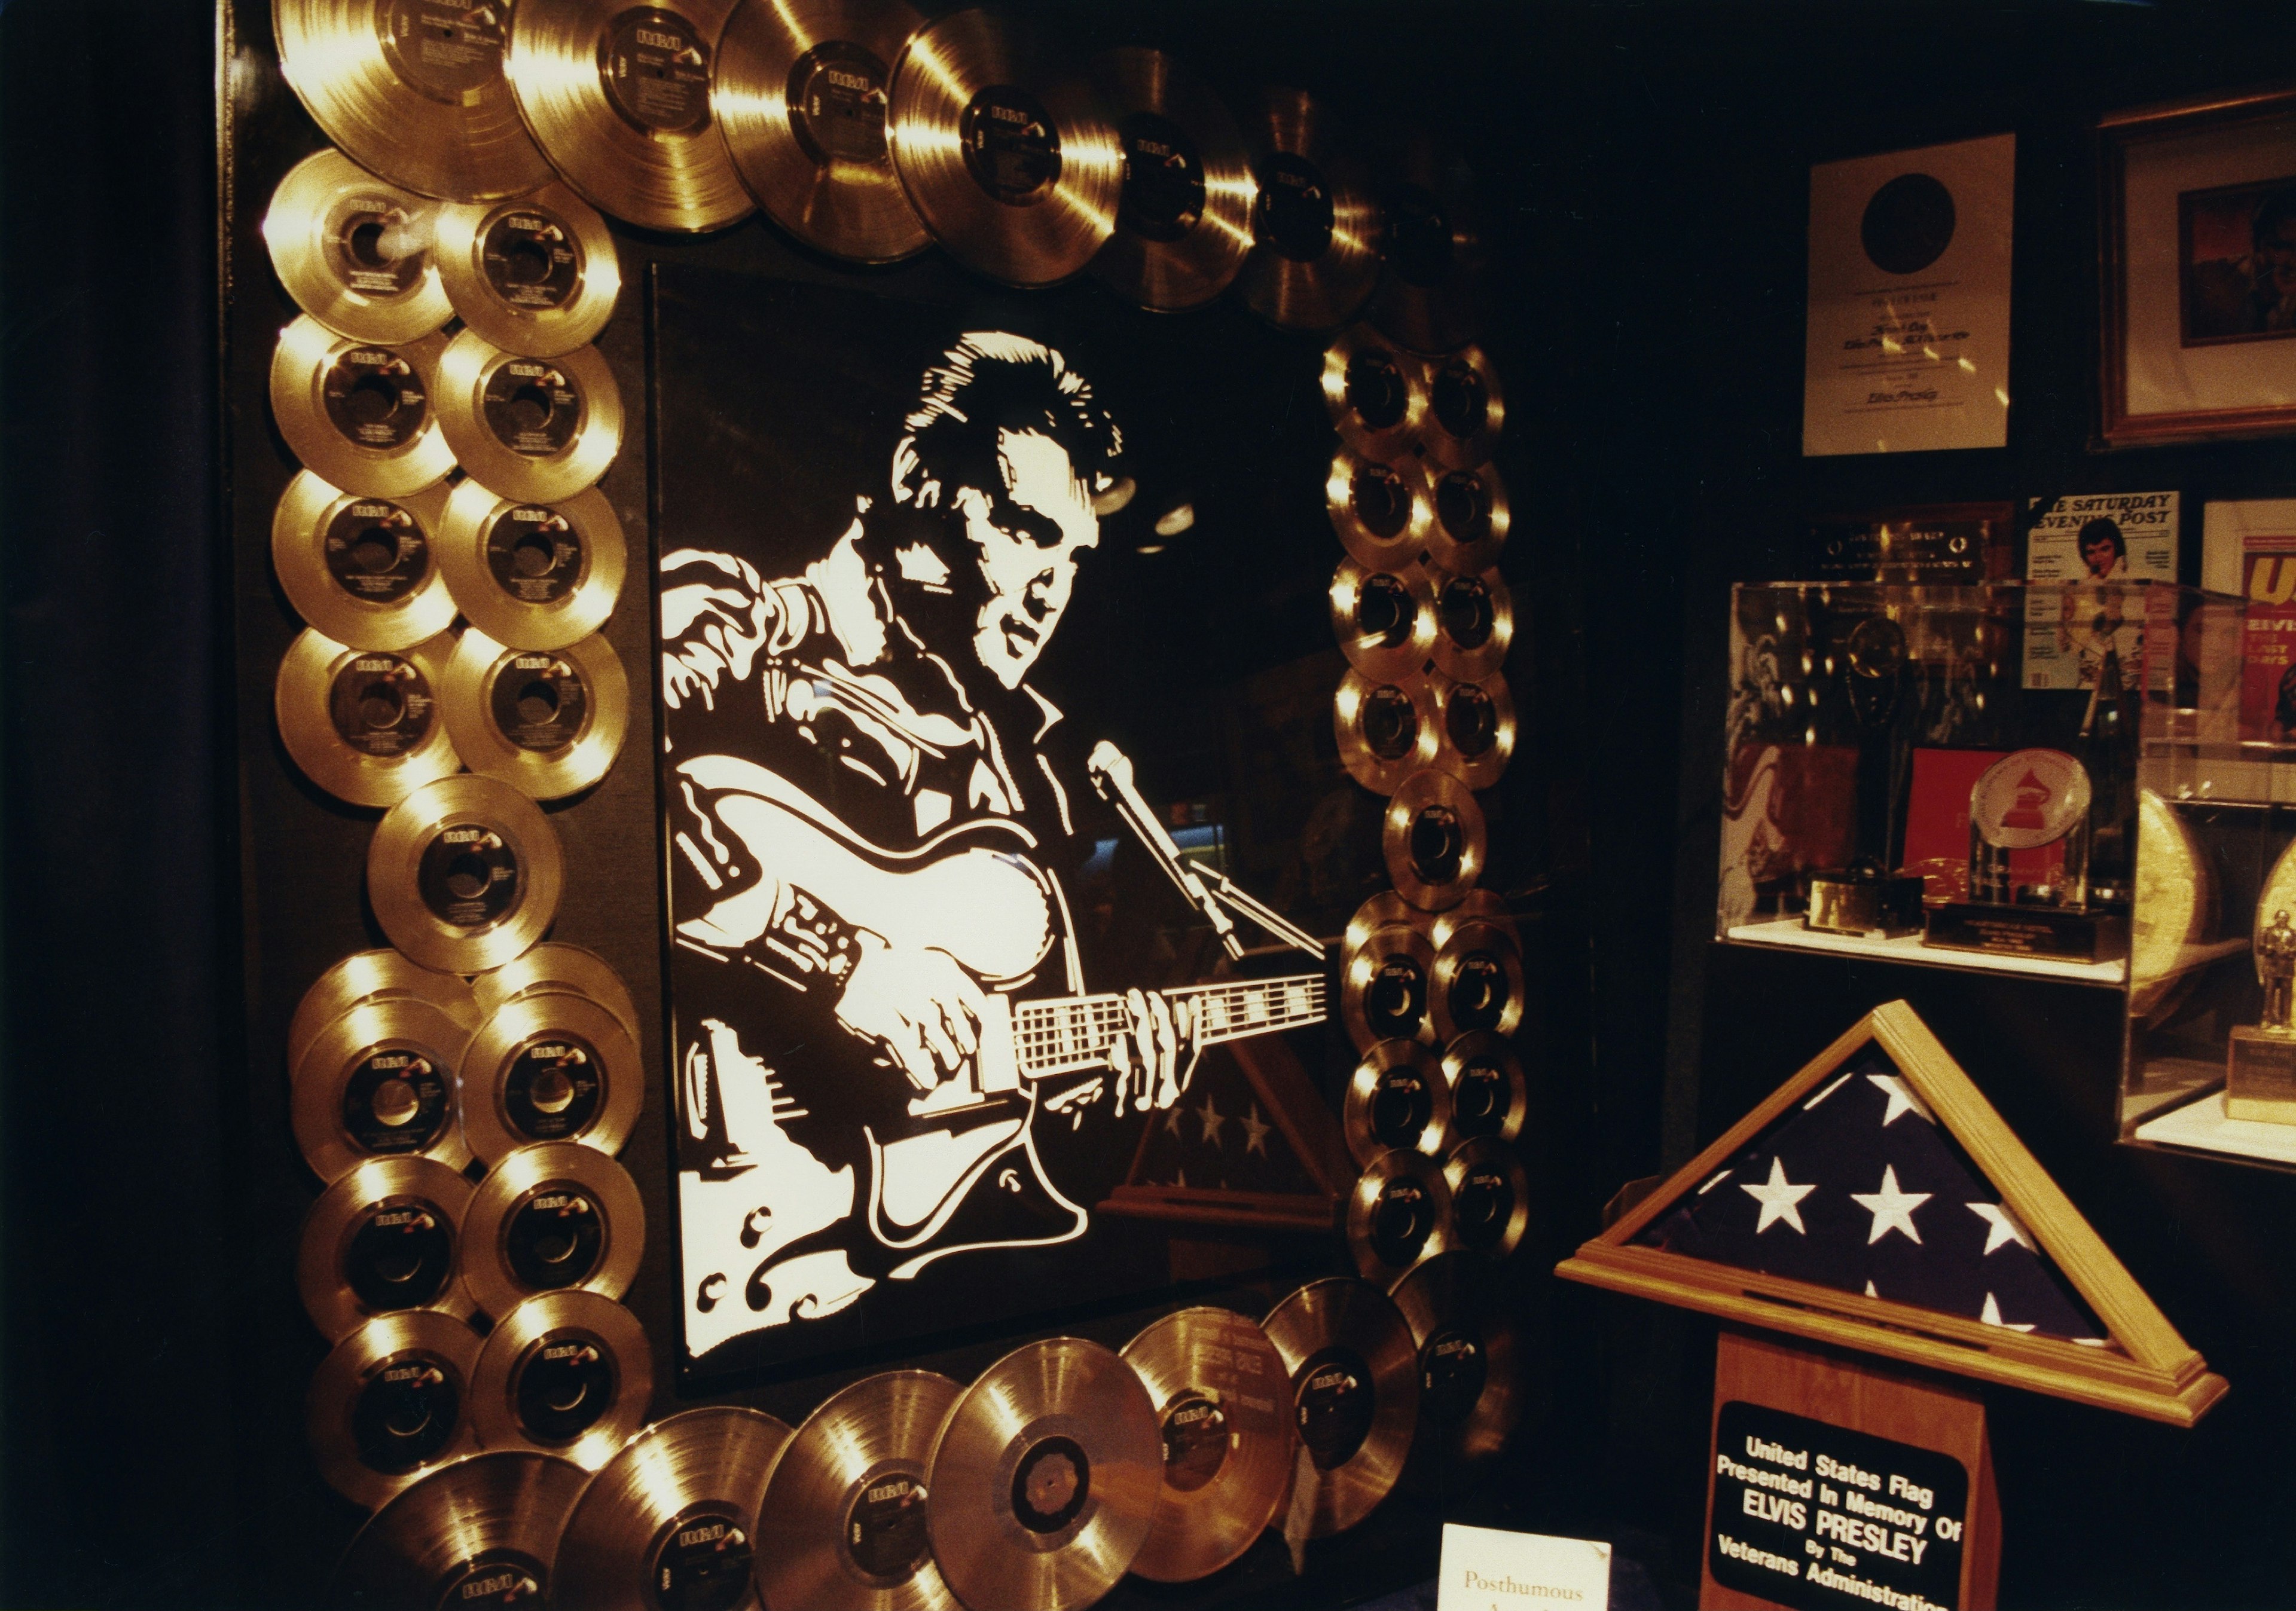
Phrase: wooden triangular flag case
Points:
(1876, 1201)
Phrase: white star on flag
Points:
(1255, 1132)
(1213, 1118)
(2001, 1227)
(1902, 1099)
(1172, 1119)
(1779, 1199)
(1992, 1315)
(1891, 1208)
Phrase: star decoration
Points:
(1172, 1120)
(2001, 1227)
(1214, 1121)
(1780, 1199)
(1869, 1289)
(1255, 1132)
(1992, 1315)
(1901, 1099)
(1180, 1178)
(1891, 1208)
(1828, 1092)
(1715, 1180)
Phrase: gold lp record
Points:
(375, 976)
(1470, 1391)
(1217, 1386)
(669, 1520)
(365, 571)
(378, 1081)
(538, 429)
(551, 1216)
(803, 93)
(391, 1401)
(360, 413)
(354, 251)
(535, 275)
(1387, 731)
(1375, 393)
(365, 724)
(1435, 293)
(554, 968)
(1479, 985)
(842, 1526)
(1004, 155)
(463, 874)
(1474, 625)
(1490, 1097)
(618, 96)
(383, 1238)
(1355, 1399)
(1435, 840)
(566, 1373)
(1396, 1100)
(1398, 1214)
(1466, 409)
(479, 1531)
(1387, 965)
(1384, 619)
(1478, 726)
(1471, 518)
(1491, 1198)
(548, 721)
(414, 90)
(1184, 218)
(532, 576)
(1380, 511)
(1314, 228)
(550, 1068)
(1045, 1478)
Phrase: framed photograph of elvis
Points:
(977, 624)
(2199, 257)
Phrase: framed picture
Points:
(2199, 260)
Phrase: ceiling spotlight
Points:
(1176, 519)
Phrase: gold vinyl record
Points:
(1477, 722)
(2175, 909)
(1491, 1198)
(1375, 393)
(565, 1373)
(1474, 625)
(550, 1068)
(1466, 409)
(354, 250)
(1470, 1383)
(1384, 619)
(379, 1081)
(359, 413)
(479, 1531)
(375, 976)
(391, 1402)
(1384, 978)
(1479, 985)
(1397, 1099)
(1315, 230)
(1007, 157)
(1184, 222)
(1217, 1386)
(1045, 1478)
(843, 1525)
(551, 1216)
(365, 571)
(365, 724)
(1435, 292)
(414, 90)
(1398, 1214)
(1377, 911)
(535, 275)
(1387, 731)
(463, 874)
(1490, 1100)
(668, 1521)
(1477, 906)
(1382, 511)
(532, 576)
(803, 92)
(1355, 1396)
(538, 429)
(1471, 519)
(1435, 840)
(556, 968)
(619, 97)
(548, 721)
(383, 1238)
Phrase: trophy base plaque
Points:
(2260, 1074)
(1861, 904)
(2033, 931)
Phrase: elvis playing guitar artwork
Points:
(885, 1040)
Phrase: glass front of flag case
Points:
(2093, 783)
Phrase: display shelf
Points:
(1788, 934)
(2204, 1126)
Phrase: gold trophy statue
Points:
(2260, 1063)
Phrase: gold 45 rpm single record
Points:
(383, 1238)
(1474, 625)
(803, 93)
(843, 1524)
(1398, 1214)
(550, 1068)
(1384, 619)
(1184, 216)
(1385, 974)
(354, 250)
(539, 429)
(1044, 1478)
(379, 1081)
(618, 96)
(1491, 1198)
(1470, 1385)
(1375, 393)
(554, 968)
(1490, 1097)
(363, 572)
(1387, 731)
(1466, 409)
(1380, 511)
(1315, 229)
(1355, 1398)
(548, 721)
(414, 90)
(551, 1216)
(1435, 840)
(1397, 1099)
(360, 413)
(565, 1373)
(376, 976)
(1477, 985)
(1435, 292)
(1477, 724)
(479, 1531)
(532, 576)
(1471, 518)
(535, 275)
(391, 1402)
(364, 723)
(1217, 1386)
(463, 874)
(1006, 157)
(671, 1519)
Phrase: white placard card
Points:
(1485, 1569)
(1908, 340)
